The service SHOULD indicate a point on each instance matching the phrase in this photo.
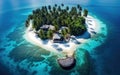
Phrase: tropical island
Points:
(60, 29)
(63, 22)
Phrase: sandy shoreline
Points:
(68, 48)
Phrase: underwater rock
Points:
(23, 52)
(67, 63)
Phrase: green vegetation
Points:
(42, 34)
(64, 32)
(50, 34)
(58, 16)
(85, 12)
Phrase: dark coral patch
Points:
(30, 53)
(2, 49)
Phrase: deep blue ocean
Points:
(13, 46)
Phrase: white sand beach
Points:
(68, 48)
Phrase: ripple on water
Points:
(98, 38)
(23, 52)
(16, 35)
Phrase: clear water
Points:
(104, 51)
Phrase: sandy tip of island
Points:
(68, 48)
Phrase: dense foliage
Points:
(85, 12)
(59, 16)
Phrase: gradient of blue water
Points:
(107, 10)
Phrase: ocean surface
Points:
(19, 57)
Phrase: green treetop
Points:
(59, 16)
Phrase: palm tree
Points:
(30, 17)
(85, 12)
(62, 4)
(50, 34)
(26, 23)
(79, 13)
(78, 6)
(56, 28)
(59, 8)
(55, 5)
(67, 8)
(54, 9)
(49, 7)
(42, 34)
